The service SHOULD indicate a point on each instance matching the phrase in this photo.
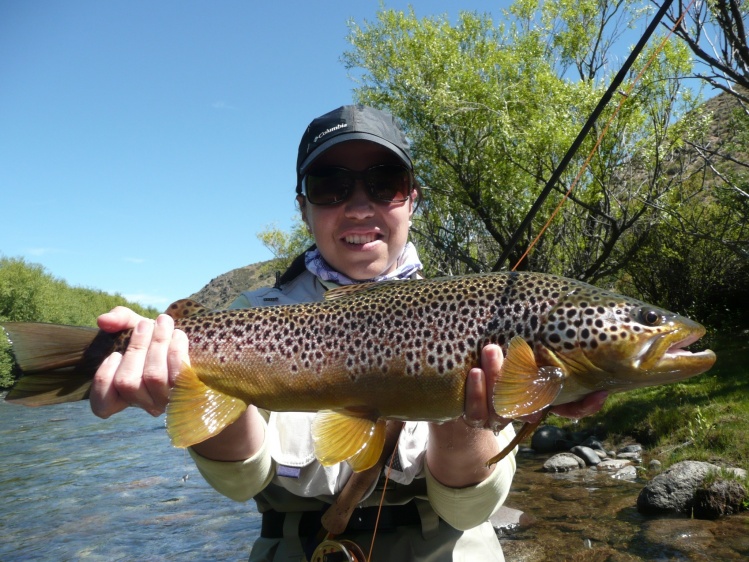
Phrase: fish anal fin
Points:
(523, 387)
(184, 308)
(196, 412)
(339, 436)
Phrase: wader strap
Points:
(430, 521)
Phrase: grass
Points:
(705, 418)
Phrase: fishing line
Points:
(625, 96)
(382, 500)
(613, 87)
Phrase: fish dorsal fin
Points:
(338, 437)
(185, 308)
(348, 290)
(523, 387)
(196, 412)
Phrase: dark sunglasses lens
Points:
(328, 186)
(389, 183)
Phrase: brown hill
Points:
(222, 290)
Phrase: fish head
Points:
(611, 342)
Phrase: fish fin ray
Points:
(523, 387)
(342, 437)
(196, 411)
(57, 362)
(184, 308)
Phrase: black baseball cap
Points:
(350, 122)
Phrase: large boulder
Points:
(722, 497)
(674, 490)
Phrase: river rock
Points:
(550, 439)
(626, 473)
(634, 457)
(587, 454)
(674, 490)
(633, 448)
(613, 465)
(655, 465)
(564, 462)
(507, 520)
(594, 444)
(722, 497)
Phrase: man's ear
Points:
(302, 202)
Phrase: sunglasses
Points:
(386, 183)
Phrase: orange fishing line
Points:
(603, 133)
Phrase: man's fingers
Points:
(104, 399)
(118, 319)
(177, 355)
(475, 413)
(155, 374)
(129, 376)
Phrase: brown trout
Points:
(398, 350)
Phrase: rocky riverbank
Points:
(593, 511)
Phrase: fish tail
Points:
(57, 363)
(196, 412)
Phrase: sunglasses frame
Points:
(369, 188)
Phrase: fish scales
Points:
(396, 350)
(427, 335)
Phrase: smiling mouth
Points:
(360, 238)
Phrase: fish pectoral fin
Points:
(196, 412)
(338, 437)
(523, 387)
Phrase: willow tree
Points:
(492, 108)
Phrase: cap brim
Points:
(343, 137)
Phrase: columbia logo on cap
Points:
(332, 129)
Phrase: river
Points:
(75, 487)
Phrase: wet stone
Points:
(626, 473)
(634, 457)
(722, 497)
(674, 489)
(564, 462)
(549, 439)
(613, 465)
(593, 443)
(587, 454)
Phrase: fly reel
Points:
(338, 551)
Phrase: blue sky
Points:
(144, 144)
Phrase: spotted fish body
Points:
(402, 349)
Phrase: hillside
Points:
(222, 290)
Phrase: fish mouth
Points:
(666, 355)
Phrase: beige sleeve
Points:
(465, 508)
(241, 480)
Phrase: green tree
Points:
(716, 32)
(491, 109)
(28, 293)
(285, 246)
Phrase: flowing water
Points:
(75, 487)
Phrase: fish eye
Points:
(649, 316)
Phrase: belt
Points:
(362, 519)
